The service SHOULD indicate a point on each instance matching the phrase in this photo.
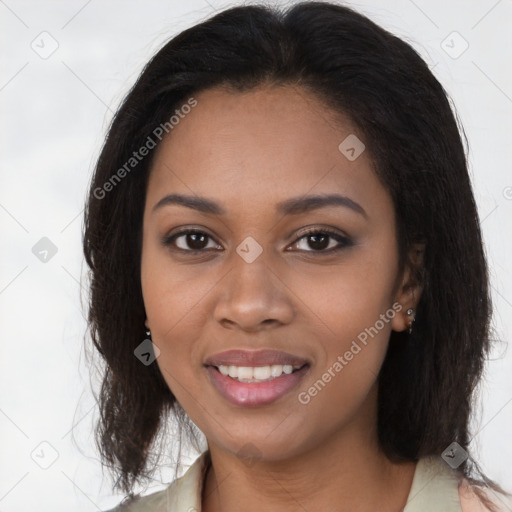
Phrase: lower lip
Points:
(257, 393)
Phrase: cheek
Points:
(353, 348)
(170, 291)
(167, 302)
(350, 297)
(355, 307)
(174, 298)
(176, 330)
(352, 355)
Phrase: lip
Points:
(264, 357)
(253, 394)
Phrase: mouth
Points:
(255, 358)
(255, 379)
(258, 374)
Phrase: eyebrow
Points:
(292, 206)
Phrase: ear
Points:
(410, 289)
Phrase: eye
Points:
(194, 240)
(320, 240)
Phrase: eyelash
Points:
(344, 241)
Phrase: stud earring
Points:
(410, 312)
(148, 333)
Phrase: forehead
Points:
(260, 145)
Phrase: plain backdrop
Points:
(65, 68)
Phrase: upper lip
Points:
(265, 357)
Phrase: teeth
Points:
(257, 373)
(261, 372)
(244, 372)
(276, 370)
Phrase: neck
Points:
(347, 472)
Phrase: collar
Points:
(434, 487)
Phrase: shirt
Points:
(435, 487)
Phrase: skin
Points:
(249, 151)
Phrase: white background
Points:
(54, 113)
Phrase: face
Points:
(269, 280)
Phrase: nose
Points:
(254, 296)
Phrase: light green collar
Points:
(434, 487)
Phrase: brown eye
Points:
(321, 241)
(191, 240)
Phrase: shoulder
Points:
(437, 486)
(154, 502)
(182, 495)
(479, 499)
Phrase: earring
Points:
(410, 312)
(148, 333)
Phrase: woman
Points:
(280, 231)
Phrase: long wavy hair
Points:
(428, 379)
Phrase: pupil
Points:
(194, 237)
(323, 245)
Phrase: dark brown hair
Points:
(358, 69)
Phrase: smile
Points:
(255, 386)
(257, 373)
